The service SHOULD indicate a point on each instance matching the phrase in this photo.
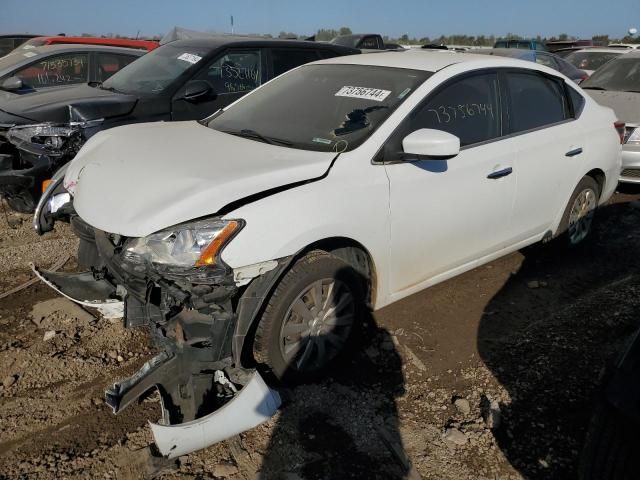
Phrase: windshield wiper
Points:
(593, 88)
(632, 91)
(248, 133)
(109, 89)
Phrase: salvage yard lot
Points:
(530, 332)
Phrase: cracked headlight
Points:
(47, 138)
(194, 244)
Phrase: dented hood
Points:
(137, 179)
(64, 104)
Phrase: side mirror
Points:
(434, 144)
(11, 83)
(198, 90)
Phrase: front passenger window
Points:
(468, 109)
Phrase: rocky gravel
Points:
(488, 376)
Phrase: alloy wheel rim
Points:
(317, 325)
(581, 215)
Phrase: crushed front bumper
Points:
(206, 394)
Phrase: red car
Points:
(147, 45)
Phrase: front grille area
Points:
(631, 172)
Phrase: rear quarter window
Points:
(577, 102)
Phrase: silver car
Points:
(617, 85)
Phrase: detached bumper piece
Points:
(184, 394)
(83, 289)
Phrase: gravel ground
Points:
(487, 376)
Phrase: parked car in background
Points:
(563, 52)
(526, 44)
(147, 45)
(248, 237)
(40, 68)
(591, 59)
(543, 58)
(182, 80)
(562, 44)
(617, 85)
(631, 46)
(364, 41)
(10, 42)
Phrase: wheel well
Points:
(598, 176)
(353, 253)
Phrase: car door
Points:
(548, 147)
(448, 213)
(54, 71)
(229, 75)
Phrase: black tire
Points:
(612, 447)
(270, 341)
(564, 235)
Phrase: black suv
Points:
(182, 80)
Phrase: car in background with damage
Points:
(617, 85)
(182, 80)
(146, 45)
(32, 70)
(252, 242)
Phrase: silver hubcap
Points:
(317, 325)
(581, 215)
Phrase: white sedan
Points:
(260, 235)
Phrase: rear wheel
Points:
(310, 319)
(577, 221)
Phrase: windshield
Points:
(321, 107)
(152, 73)
(621, 74)
(590, 60)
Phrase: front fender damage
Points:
(206, 394)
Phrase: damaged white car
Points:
(257, 237)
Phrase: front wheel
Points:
(310, 319)
(577, 221)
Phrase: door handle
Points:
(500, 173)
(574, 152)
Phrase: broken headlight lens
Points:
(47, 138)
(194, 244)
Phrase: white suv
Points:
(260, 235)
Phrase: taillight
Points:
(619, 126)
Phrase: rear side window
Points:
(284, 59)
(108, 64)
(547, 61)
(467, 108)
(535, 101)
(53, 71)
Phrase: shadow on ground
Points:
(547, 334)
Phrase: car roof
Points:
(216, 41)
(77, 47)
(418, 59)
(603, 50)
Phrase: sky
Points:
(417, 18)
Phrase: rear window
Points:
(590, 60)
(621, 74)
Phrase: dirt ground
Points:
(490, 375)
